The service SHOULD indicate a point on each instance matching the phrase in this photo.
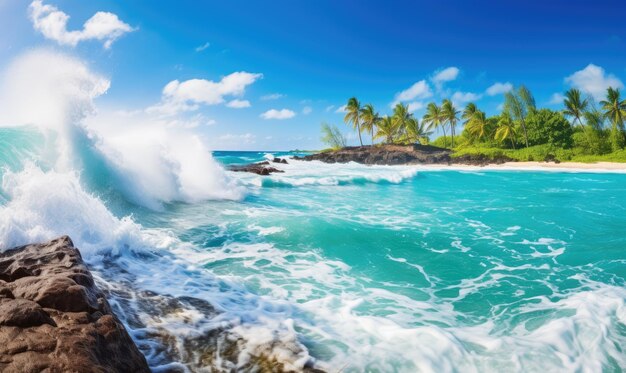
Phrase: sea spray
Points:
(55, 168)
(147, 161)
(352, 267)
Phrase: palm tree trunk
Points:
(452, 134)
(372, 134)
(445, 140)
(512, 142)
(525, 133)
(358, 128)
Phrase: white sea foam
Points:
(150, 162)
(273, 298)
(304, 173)
(45, 205)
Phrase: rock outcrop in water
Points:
(260, 168)
(53, 318)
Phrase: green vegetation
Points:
(582, 131)
(332, 137)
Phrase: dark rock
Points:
(384, 155)
(280, 160)
(260, 168)
(54, 319)
(481, 160)
(402, 155)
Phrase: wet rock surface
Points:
(53, 318)
(260, 168)
(156, 319)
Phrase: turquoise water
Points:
(366, 268)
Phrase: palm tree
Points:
(416, 131)
(353, 115)
(468, 112)
(594, 118)
(401, 116)
(386, 129)
(517, 105)
(450, 115)
(527, 98)
(575, 107)
(615, 110)
(477, 125)
(434, 119)
(370, 117)
(506, 129)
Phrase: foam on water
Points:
(359, 268)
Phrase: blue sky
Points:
(301, 60)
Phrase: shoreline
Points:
(599, 167)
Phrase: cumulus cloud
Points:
(238, 104)
(556, 98)
(307, 110)
(341, 109)
(272, 96)
(419, 90)
(188, 95)
(446, 75)
(459, 97)
(52, 23)
(278, 114)
(415, 105)
(499, 88)
(594, 81)
(202, 47)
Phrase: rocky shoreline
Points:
(53, 318)
(401, 155)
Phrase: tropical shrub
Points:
(332, 137)
(545, 126)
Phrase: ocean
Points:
(348, 267)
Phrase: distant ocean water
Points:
(361, 268)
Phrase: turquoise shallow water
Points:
(380, 268)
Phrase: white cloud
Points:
(272, 96)
(459, 97)
(238, 104)
(188, 95)
(202, 47)
(307, 110)
(341, 109)
(556, 98)
(52, 23)
(446, 75)
(278, 114)
(594, 81)
(415, 105)
(246, 138)
(418, 90)
(499, 88)
(329, 108)
(189, 123)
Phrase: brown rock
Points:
(54, 319)
(384, 155)
(261, 168)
